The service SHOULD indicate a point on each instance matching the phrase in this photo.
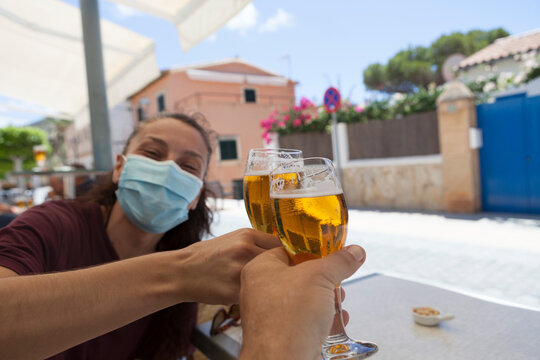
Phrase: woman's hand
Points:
(287, 311)
(211, 269)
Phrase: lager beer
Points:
(257, 201)
(311, 219)
(257, 184)
(40, 155)
(311, 226)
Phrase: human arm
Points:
(9, 209)
(42, 315)
(287, 311)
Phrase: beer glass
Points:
(256, 184)
(40, 155)
(311, 218)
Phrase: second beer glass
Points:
(311, 219)
(259, 164)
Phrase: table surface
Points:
(380, 311)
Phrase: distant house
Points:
(233, 95)
(505, 55)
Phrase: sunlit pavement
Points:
(488, 255)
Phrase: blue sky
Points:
(322, 43)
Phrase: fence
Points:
(413, 135)
(390, 164)
(311, 144)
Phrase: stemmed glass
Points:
(256, 184)
(311, 218)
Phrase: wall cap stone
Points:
(454, 90)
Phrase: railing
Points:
(222, 97)
(68, 177)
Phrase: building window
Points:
(161, 102)
(228, 149)
(250, 96)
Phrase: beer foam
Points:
(327, 188)
(258, 173)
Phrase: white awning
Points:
(42, 57)
(194, 19)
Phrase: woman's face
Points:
(169, 139)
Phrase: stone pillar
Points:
(461, 173)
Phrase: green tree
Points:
(409, 69)
(16, 144)
(375, 76)
(418, 66)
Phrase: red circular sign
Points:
(332, 100)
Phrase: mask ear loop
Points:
(110, 209)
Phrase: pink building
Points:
(233, 95)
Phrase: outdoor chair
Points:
(217, 191)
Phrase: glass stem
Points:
(337, 332)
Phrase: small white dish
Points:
(430, 320)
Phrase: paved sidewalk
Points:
(487, 255)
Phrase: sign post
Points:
(332, 102)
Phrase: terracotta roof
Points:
(234, 60)
(504, 47)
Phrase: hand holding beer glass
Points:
(256, 184)
(311, 218)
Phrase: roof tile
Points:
(504, 47)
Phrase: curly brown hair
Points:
(168, 335)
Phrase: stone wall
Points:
(398, 183)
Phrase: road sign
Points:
(332, 100)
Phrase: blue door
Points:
(510, 156)
(532, 121)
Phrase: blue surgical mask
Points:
(155, 195)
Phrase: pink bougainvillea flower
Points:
(267, 137)
(281, 124)
(286, 117)
(267, 123)
(305, 103)
(297, 122)
(358, 109)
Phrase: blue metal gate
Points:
(510, 155)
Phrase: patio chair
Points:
(217, 191)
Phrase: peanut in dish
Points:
(426, 311)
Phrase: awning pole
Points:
(97, 89)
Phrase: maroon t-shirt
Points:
(59, 236)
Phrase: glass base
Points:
(342, 347)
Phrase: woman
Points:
(94, 273)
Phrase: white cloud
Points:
(212, 38)
(282, 19)
(124, 12)
(244, 20)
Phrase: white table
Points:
(380, 310)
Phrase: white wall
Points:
(122, 125)
(484, 71)
(78, 136)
